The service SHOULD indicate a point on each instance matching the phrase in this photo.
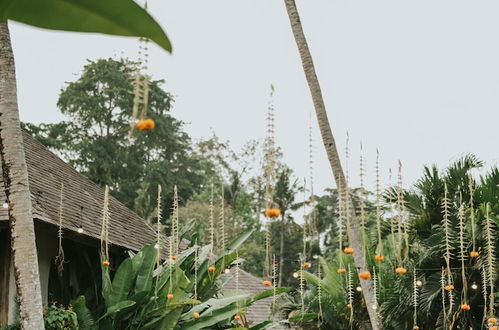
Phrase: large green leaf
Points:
(261, 326)
(144, 276)
(122, 283)
(266, 294)
(122, 305)
(116, 17)
(236, 243)
(214, 304)
(208, 319)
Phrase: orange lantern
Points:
(400, 270)
(145, 124)
(365, 275)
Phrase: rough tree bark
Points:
(15, 176)
(354, 235)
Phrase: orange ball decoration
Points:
(494, 327)
(400, 270)
(415, 327)
(474, 254)
(237, 318)
(365, 275)
(449, 287)
(145, 124)
(349, 306)
(348, 250)
(492, 320)
(169, 296)
(105, 263)
(196, 315)
(465, 307)
(267, 283)
(341, 271)
(273, 213)
(212, 269)
(173, 258)
(379, 257)
(305, 265)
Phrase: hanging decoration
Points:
(443, 294)
(274, 280)
(446, 224)
(158, 227)
(271, 211)
(319, 294)
(141, 89)
(346, 195)
(415, 292)
(313, 226)
(490, 262)
(104, 242)
(59, 259)
(173, 242)
(399, 218)
(350, 294)
(379, 246)
(376, 292)
(222, 226)
(462, 256)
(474, 253)
(364, 274)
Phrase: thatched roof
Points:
(83, 200)
(259, 311)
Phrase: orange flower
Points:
(379, 257)
(237, 318)
(272, 213)
(474, 254)
(465, 307)
(449, 287)
(305, 265)
(492, 320)
(105, 263)
(212, 269)
(415, 327)
(173, 258)
(196, 315)
(365, 275)
(348, 250)
(400, 270)
(267, 283)
(169, 296)
(145, 124)
(494, 327)
(341, 271)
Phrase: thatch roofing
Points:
(259, 311)
(82, 200)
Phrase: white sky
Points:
(418, 80)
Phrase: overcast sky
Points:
(419, 80)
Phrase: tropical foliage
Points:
(424, 212)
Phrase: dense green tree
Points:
(97, 139)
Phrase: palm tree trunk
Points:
(15, 177)
(332, 153)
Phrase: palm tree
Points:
(15, 178)
(332, 153)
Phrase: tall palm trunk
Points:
(354, 235)
(15, 178)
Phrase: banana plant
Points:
(144, 295)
